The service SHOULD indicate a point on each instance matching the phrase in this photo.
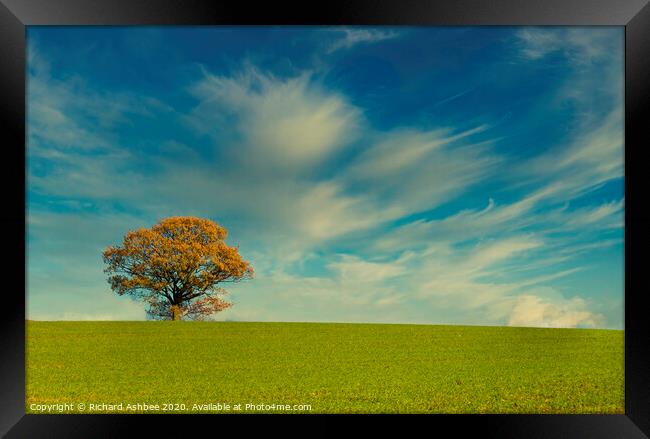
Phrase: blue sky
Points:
(458, 175)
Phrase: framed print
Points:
(428, 211)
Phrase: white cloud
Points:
(71, 126)
(272, 138)
(279, 129)
(582, 45)
(608, 215)
(413, 170)
(452, 280)
(494, 252)
(402, 149)
(324, 211)
(65, 112)
(468, 224)
(468, 281)
(287, 129)
(458, 274)
(530, 310)
(353, 37)
(594, 157)
(593, 87)
(356, 270)
(291, 124)
(537, 43)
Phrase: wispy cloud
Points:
(66, 113)
(345, 216)
(594, 157)
(273, 164)
(581, 45)
(414, 170)
(290, 123)
(351, 37)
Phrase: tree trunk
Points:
(176, 312)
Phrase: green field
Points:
(335, 368)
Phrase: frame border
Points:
(15, 15)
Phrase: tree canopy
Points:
(176, 267)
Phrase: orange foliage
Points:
(175, 266)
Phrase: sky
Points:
(430, 175)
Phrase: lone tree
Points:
(176, 267)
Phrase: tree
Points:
(176, 267)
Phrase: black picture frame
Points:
(634, 15)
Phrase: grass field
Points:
(340, 368)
